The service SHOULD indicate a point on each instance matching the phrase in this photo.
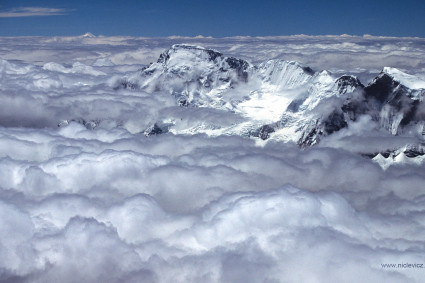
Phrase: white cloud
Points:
(32, 12)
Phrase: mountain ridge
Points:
(282, 100)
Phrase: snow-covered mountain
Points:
(389, 99)
(398, 97)
(279, 100)
(194, 75)
(316, 112)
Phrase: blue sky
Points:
(211, 18)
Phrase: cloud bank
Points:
(113, 205)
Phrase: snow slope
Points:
(407, 80)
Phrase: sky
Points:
(220, 18)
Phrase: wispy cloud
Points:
(32, 12)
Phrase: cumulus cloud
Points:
(111, 204)
(197, 208)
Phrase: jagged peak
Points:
(391, 80)
(383, 77)
(405, 79)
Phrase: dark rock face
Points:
(387, 98)
(90, 125)
(125, 85)
(410, 151)
(263, 132)
(334, 122)
(384, 90)
(156, 129)
(310, 137)
(323, 127)
(381, 88)
(308, 70)
(163, 58)
(345, 82)
(354, 107)
(411, 113)
(414, 152)
(385, 154)
(182, 101)
(240, 66)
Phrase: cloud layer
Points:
(202, 209)
(112, 205)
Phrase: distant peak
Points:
(88, 35)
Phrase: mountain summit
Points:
(194, 75)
